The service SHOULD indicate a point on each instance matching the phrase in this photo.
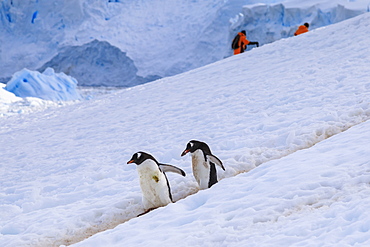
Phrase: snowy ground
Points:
(11, 105)
(65, 177)
(314, 197)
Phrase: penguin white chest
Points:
(201, 169)
(153, 185)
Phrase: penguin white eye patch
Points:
(138, 155)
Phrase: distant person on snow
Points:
(240, 42)
(302, 29)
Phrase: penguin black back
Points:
(212, 175)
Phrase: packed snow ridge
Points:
(79, 38)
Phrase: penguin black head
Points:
(140, 157)
(194, 145)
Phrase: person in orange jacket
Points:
(243, 42)
(302, 29)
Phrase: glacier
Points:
(97, 63)
(150, 41)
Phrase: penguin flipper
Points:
(171, 168)
(215, 160)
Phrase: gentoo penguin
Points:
(203, 163)
(153, 180)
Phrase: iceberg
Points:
(47, 85)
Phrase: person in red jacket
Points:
(302, 29)
(243, 42)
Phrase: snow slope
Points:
(11, 105)
(315, 197)
(155, 38)
(65, 177)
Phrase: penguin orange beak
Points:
(130, 161)
(185, 152)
